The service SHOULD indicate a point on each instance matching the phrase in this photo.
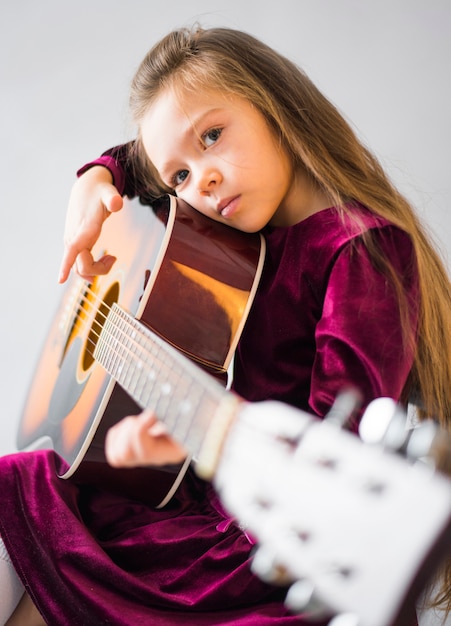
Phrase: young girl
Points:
(352, 293)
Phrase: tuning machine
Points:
(301, 598)
(345, 619)
(344, 408)
(268, 567)
(386, 423)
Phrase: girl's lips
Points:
(228, 206)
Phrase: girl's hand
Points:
(141, 440)
(92, 200)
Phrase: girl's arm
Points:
(95, 195)
(97, 192)
(119, 162)
(92, 200)
(362, 340)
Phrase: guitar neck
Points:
(159, 377)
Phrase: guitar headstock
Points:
(353, 529)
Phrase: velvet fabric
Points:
(90, 558)
(323, 318)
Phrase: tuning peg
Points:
(422, 440)
(430, 444)
(344, 407)
(301, 598)
(266, 566)
(384, 421)
(345, 619)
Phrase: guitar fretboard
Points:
(158, 377)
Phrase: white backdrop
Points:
(64, 74)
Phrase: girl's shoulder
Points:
(318, 241)
(332, 228)
(339, 225)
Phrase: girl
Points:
(352, 293)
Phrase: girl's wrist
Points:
(114, 168)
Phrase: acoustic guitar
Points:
(182, 285)
(352, 527)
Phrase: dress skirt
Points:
(88, 557)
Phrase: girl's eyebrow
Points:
(199, 121)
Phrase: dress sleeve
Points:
(119, 162)
(360, 338)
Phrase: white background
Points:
(65, 68)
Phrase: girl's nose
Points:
(208, 181)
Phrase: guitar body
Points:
(190, 280)
(366, 527)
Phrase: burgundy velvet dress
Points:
(323, 318)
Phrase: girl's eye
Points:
(211, 136)
(179, 177)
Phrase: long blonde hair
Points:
(318, 139)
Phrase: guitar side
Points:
(165, 255)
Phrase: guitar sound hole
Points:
(110, 297)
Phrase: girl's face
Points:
(218, 154)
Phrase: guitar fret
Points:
(141, 374)
(115, 352)
(109, 354)
(129, 373)
(189, 402)
(158, 377)
(125, 367)
(184, 425)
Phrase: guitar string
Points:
(180, 421)
(97, 302)
(134, 326)
(140, 352)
